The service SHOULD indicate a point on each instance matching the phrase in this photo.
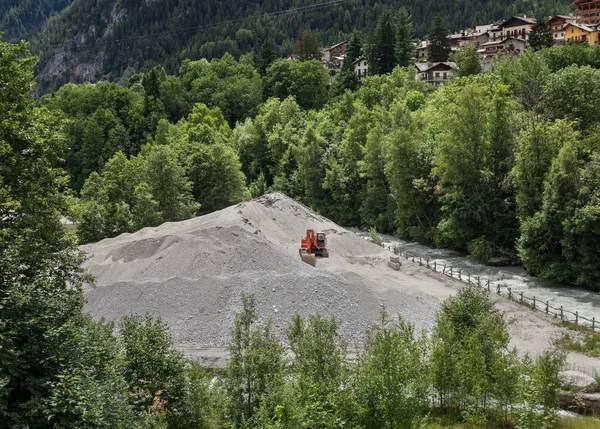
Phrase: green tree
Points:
(255, 366)
(573, 92)
(266, 56)
(381, 46)
(471, 358)
(405, 47)
(307, 45)
(306, 81)
(320, 371)
(439, 50)
(540, 35)
(57, 366)
(347, 78)
(154, 370)
(393, 375)
(467, 61)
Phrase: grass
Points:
(563, 423)
(578, 423)
(587, 342)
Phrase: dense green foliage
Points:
(19, 19)
(116, 37)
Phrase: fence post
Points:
(434, 266)
(469, 278)
(561, 313)
(509, 293)
(444, 270)
(521, 297)
(593, 323)
(488, 285)
(451, 272)
(413, 258)
(547, 307)
(420, 261)
(576, 318)
(497, 288)
(459, 275)
(427, 262)
(534, 302)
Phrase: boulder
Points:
(395, 265)
(576, 381)
(395, 259)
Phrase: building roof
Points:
(358, 59)
(425, 67)
(583, 27)
(329, 48)
(524, 19)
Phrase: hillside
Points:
(19, 19)
(110, 39)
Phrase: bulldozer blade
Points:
(309, 258)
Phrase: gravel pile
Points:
(192, 274)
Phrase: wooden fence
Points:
(499, 288)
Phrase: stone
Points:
(394, 265)
(577, 381)
(395, 259)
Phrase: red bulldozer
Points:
(313, 244)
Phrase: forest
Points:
(20, 19)
(118, 37)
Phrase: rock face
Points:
(576, 381)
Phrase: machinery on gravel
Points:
(313, 244)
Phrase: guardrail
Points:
(499, 288)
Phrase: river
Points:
(573, 299)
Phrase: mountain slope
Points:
(21, 18)
(111, 38)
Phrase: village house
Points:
(423, 50)
(581, 33)
(588, 11)
(360, 68)
(517, 27)
(437, 74)
(333, 56)
(557, 24)
(510, 45)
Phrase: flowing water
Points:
(583, 301)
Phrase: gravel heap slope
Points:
(192, 273)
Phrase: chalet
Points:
(517, 27)
(333, 56)
(435, 73)
(588, 11)
(581, 33)
(557, 24)
(360, 68)
(509, 45)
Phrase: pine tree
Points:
(307, 46)
(540, 35)
(405, 47)
(386, 39)
(266, 56)
(439, 50)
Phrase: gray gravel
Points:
(192, 274)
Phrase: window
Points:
(445, 75)
(437, 74)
